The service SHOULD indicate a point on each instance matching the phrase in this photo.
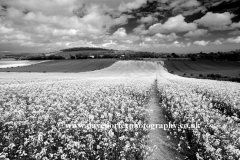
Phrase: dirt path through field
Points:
(158, 137)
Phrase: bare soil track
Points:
(165, 146)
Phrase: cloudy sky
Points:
(180, 26)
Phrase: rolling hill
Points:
(64, 66)
(195, 68)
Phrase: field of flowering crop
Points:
(47, 116)
(214, 105)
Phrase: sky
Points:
(180, 26)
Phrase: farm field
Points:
(213, 104)
(38, 107)
(14, 63)
(154, 59)
(64, 66)
(231, 69)
(48, 115)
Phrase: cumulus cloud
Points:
(48, 7)
(121, 37)
(235, 25)
(217, 42)
(180, 5)
(51, 28)
(174, 24)
(184, 7)
(123, 19)
(121, 32)
(48, 30)
(109, 44)
(175, 44)
(169, 37)
(201, 9)
(189, 7)
(94, 22)
(176, 4)
(5, 30)
(178, 44)
(144, 45)
(201, 43)
(190, 3)
(149, 19)
(57, 24)
(233, 40)
(140, 30)
(216, 21)
(160, 38)
(58, 21)
(196, 33)
(124, 7)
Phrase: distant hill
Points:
(84, 52)
(85, 49)
(13, 55)
(87, 52)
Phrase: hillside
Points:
(85, 49)
(64, 66)
(67, 54)
(221, 70)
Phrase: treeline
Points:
(122, 55)
(93, 55)
(138, 55)
(143, 55)
(219, 56)
(212, 77)
(43, 57)
(83, 49)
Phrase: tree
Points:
(175, 55)
(72, 57)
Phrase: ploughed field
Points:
(48, 115)
(231, 69)
(64, 66)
